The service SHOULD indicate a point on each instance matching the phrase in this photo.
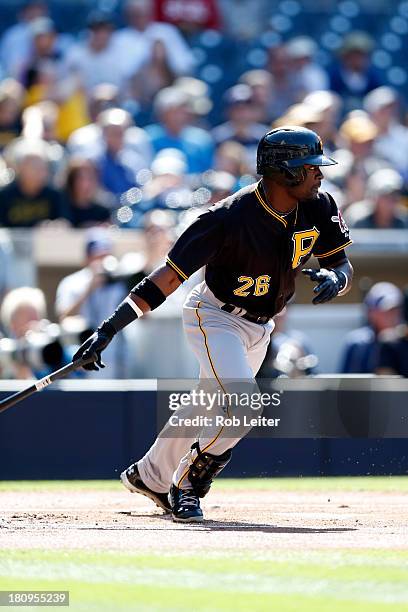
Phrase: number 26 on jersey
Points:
(256, 286)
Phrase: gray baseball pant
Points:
(228, 348)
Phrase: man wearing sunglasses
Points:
(252, 245)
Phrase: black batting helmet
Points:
(284, 151)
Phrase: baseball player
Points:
(252, 245)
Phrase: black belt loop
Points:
(247, 316)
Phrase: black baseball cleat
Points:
(185, 505)
(131, 480)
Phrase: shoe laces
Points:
(188, 498)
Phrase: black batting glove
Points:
(90, 351)
(330, 283)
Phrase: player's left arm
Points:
(333, 280)
(336, 273)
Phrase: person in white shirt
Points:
(392, 139)
(136, 42)
(97, 60)
(16, 42)
(89, 294)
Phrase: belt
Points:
(241, 312)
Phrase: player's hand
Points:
(90, 351)
(330, 283)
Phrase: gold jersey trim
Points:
(176, 268)
(340, 248)
(268, 208)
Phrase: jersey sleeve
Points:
(197, 245)
(334, 234)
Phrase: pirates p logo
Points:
(303, 243)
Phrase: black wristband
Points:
(150, 293)
(123, 315)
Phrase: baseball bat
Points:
(40, 384)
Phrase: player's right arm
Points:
(147, 295)
(194, 248)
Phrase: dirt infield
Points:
(236, 520)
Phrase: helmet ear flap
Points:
(293, 176)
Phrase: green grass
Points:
(233, 580)
(356, 581)
(357, 483)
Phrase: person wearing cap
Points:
(174, 129)
(118, 164)
(393, 349)
(382, 208)
(328, 104)
(96, 60)
(241, 125)
(263, 93)
(382, 105)
(352, 76)
(383, 308)
(311, 76)
(89, 294)
(357, 161)
(168, 189)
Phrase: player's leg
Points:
(152, 475)
(230, 351)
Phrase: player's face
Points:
(310, 186)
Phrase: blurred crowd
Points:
(111, 124)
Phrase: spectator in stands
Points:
(118, 164)
(40, 121)
(44, 51)
(136, 42)
(286, 90)
(11, 99)
(241, 125)
(89, 294)
(393, 349)
(189, 16)
(309, 74)
(154, 75)
(261, 84)
(174, 130)
(28, 199)
(289, 353)
(329, 105)
(102, 97)
(383, 208)
(97, 60)
(169, 187)
(16, 42)
(89, 142)
(7, 275)
(221, 185)
(45, 79)
(353, 75)
(383, 305)
(23, 310)
(85, 204)
(158, 228)
(199, 100)
(392, 138)
(231, 157)
(355, 156)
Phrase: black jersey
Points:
(252, 253)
